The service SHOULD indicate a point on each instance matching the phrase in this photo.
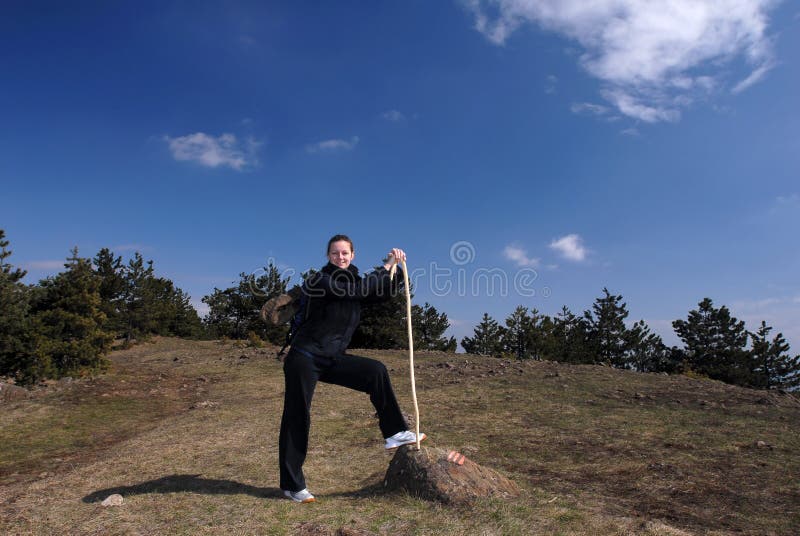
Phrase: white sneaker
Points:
(302, 496)
(403, 438)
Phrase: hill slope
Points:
(187, 431)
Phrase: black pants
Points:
(301, 373)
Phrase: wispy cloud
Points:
(570, 247)
(520, 256)
(788, 205)
(130, 247)
(44, 265)
(780, 312)
(589, 108)
(247, 41)
(632, 131)
(551, 84)
(653, 58)
(792, 200)
(393, 115)
(210, 151)
(333, 146)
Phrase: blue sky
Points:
(521, 151)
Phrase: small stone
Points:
(113, 500)
(204, 404)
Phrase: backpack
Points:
(291, 307)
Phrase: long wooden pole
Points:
(411, 352)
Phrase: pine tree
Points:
(645, 351)
(186, 322)
(772, 367)
(607, 329)
(428, 327)
(15, 332)
(137, 300)
(521, 338)
(112, 289)
(219, 320)
(263, 288)
(234, 312)
(715, 344)
(487, 338)
(569, 338)
(383, 324)
(68, 321)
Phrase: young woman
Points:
(318, 353)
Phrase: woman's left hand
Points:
(395, 256)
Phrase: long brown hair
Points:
(339, 238)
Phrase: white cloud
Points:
(520, 256)
(653, 58)
(632, 131)
(393, 115)
(333, 146)
(213, 152)
(570, 247)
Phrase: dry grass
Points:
(597, 451)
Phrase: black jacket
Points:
(335, 302)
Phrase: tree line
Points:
(716, 344)
(65, 324)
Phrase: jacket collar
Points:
(334, 271)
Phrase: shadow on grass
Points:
(191, 483)
(371, 490)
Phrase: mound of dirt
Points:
(445, 476)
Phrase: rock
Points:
(113, 500)
(12, 392)
(428, 474)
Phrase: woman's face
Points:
(340, 254)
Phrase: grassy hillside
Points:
(187, 433)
